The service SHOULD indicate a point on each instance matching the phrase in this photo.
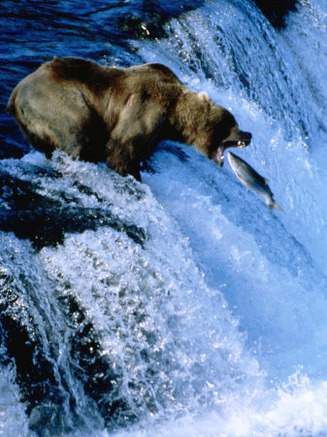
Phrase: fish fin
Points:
(247, 186)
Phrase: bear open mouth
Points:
(239, 144)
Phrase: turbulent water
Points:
(180, 306)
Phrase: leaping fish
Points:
(251, 179)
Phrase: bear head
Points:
(209, 127)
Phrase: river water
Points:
(180, 306)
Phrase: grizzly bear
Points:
(118, 115)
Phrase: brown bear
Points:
(118, 115)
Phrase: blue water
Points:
(180, 306)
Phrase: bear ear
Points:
(203, 96)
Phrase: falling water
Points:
(180, 306)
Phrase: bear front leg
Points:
(135, 134)
(122, 158)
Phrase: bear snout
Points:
(237, 138)
(245, 137)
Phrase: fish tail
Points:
(272, 204)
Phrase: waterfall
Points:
(181, 306)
